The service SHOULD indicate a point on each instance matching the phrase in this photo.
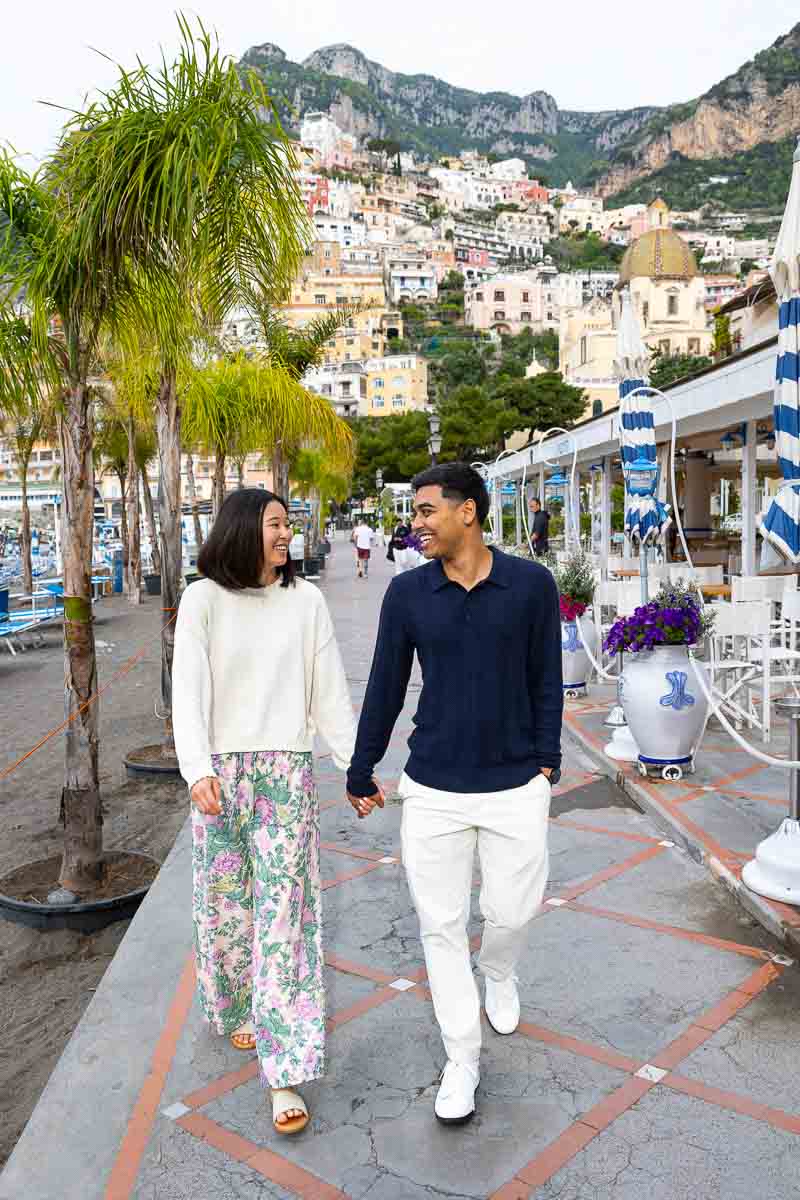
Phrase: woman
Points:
(256, 671)
(397, 547)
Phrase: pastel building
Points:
(335, 148)
(410, 277)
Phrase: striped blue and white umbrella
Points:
(646, 518)
(781, 524)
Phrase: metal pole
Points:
(643, 552)
(749, 459)
(519, 500)
(790, 707)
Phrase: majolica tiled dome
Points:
(658, 254)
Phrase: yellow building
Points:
(396, 383)
(355, 345)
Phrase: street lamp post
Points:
(435, 439)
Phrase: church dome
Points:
(658, 254)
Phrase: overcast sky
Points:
(589, 56)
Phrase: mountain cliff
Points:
(433, 118)
(740, 129)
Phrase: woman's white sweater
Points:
(256, 670)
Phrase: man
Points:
(485, 750)
(540, 528)
(362, 538)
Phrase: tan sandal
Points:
(284, 1100)
(244, 1038)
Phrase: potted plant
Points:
(663, 705)
(575, 580)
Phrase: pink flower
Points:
(570, 609)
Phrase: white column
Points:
(749, 452)
(697, 502)
(519, 500)
(605, 515)
(576, 508)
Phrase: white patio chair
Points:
(742, 632)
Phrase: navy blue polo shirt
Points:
(490, 709)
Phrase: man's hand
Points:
(365, 804)
(547, 772)
(205, 796)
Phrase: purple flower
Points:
(228, 863)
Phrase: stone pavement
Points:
(657, 1053)
(720, 813)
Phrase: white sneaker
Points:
(502, 1004)
(455, 1101)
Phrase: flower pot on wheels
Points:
(665, 709)
(576, 665)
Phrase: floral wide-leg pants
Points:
(257, 911)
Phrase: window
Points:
(378, 383)
(526, 297)
(525, 316)
(672, 305)
(398, 402)
(550, 316)
(341, 300)
(499, 295)
(499, 314)
(645, 312)
(377, 402)
(350, 341)
(597, 408)
(325, 390)
(346, 388)
(694, 345)
(319, 299)
(327, 253)
(584, 351)
(664, 346)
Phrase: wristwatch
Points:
(555, 775)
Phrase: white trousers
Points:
(440, 832)
(400, 561)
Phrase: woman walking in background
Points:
(257, 671)
(397, 546)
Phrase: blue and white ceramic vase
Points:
(664, 706)
(576, 666)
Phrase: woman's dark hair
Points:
(233, 553)
(458, 481)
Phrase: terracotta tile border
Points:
(348, 875)
(599, 1054)
(359, 969)
(272, 1166)
(565, 823)
(122, 1178)
(732, 1101)
(608, 873)
(369, 855)
(574, 1139)
(688, 935)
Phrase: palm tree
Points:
(297, 350)
(240, 404)
(186, 170)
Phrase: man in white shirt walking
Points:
(362, 537)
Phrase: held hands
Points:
(205, 796)
(365, 804)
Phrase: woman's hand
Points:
(365, 804)
(205, 796)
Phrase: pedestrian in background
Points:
(486, 630)
(540, 528)
(257, 672)
(397, 547)
(362, 537)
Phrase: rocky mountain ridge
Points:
(617, 151)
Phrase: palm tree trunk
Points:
(192, 494)
(25, 533)
(151, 522)
(123, 526)
(280, 472)
(218, 493)
(132, 505)
(168, 432)
(81, 811)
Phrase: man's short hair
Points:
(536, 500)
(458, 481)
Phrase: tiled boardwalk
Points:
(657, 1056)
(723, 810)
